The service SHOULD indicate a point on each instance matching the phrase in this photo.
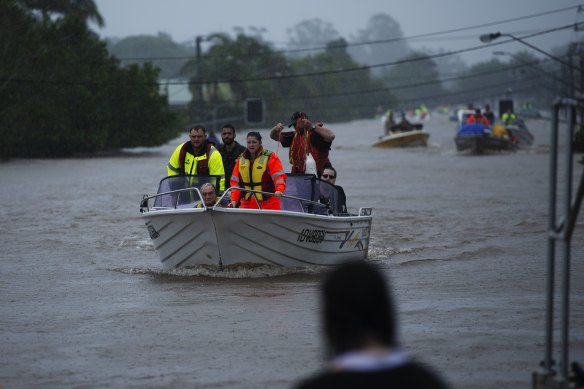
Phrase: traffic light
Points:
(254, 111)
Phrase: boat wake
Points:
(238, 270)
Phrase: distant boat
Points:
(478, 139)
(403, 139)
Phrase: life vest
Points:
(300, 147)
(202, 165)
(254, 174)
(509, 118)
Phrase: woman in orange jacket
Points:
(258, 169)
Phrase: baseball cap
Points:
(295, 116)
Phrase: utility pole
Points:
(199, 71)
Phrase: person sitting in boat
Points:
(197, 157)
(307, 138)
(478, 118)
(489, 114)
(509, 118)
(389, 122)
(329, 175)
(403, 125)
(209, 194)
(258, 169)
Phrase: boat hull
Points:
(226, 236)
(404, 139)
(478, 144)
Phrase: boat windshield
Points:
(307, 186)
(185, 198)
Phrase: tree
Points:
(308, 34)
(161, 51)
(63, 94)
(380, 28)
(84, 10)
(416, 80)
(234, 69)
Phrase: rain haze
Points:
(183, 20)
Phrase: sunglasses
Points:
(328, 176)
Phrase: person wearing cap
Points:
(307, 138)
(257, 169)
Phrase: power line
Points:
(381, 41)
(292, 76)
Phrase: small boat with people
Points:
(478, 139)
(311, 229)
(402, 134)
(403, 139)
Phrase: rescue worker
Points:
(197, 157)
(258, 169)
(477, 118)
(307, 138)
(509, 117)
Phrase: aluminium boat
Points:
(310, 230)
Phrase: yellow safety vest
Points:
(257, 169)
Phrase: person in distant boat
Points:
(403, 125)
(258, 169)
(230, 151)
(329, 174)
(389, 122)
(509, 118)
(477, 117)
(197, 157)
(489, 114)
(307, 138)
(359, 325)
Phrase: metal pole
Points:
(565, 288)
(199, 74)
(551, 242)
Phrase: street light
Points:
(487, 38)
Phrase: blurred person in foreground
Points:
(360, 331)
(258, 169)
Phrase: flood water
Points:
(84, 302)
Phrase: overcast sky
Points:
(185, 19)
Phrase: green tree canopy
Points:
(62, 94)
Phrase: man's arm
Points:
(275, 132)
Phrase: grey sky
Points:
(185, 19)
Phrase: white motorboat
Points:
(309, 230)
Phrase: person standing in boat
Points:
(509, 118)
(360, 328)
(307, 138)
(197, 157)
(258, 169)
(230, 151)
(477, 118)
